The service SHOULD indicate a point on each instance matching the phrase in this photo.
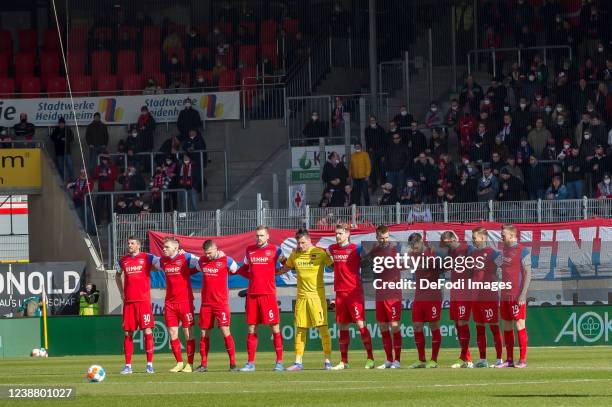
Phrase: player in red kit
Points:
(135, 291)
(427, 304)
(460, 298)
(178, 304)
(260, 266)
(349, 294)
(485, 302)
(215, 267)
(388, 302)
(516, 272)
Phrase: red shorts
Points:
(349, 307)
(262, 309)
(485, 312)
(388, 311)
(460, 310)
(137, 315)
(511, 311)
(426, 311)
(179, 311)
(210, 313)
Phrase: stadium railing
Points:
(222, 223)
(518, 50)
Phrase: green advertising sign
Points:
(305, 175)
(547, 326)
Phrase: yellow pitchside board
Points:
(20, 169)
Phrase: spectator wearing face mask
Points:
(105, 174)
(433, 118)
(582, 127)
(561, 130)
(479, 151)
(193, 143)
(315, 129)
(360, 169)
(573, 170)
(189, 118)
(538, 137)
(453, 114)
(599, 165)
(604, 188)
(522, 118)
(146, 128)
(403, 120)
(174, 68)
(410, 194)
(152, 88)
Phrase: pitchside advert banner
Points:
(20, 169)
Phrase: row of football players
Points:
(260, 267)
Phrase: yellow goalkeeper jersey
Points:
(309, 267)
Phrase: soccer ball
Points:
(35, 353)
(96, 374)
(42, 352)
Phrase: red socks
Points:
(175, 344)
(436, 340)
(251, 346)
(419, 341)
(128, 348)
(278, 346)
(397, 344)
(509, 340)
(497, 339)
(481, 340)
(191, 346)
(149, 347)
(387, 344)
(463, 332)
(204, 346)
(522, 340)
(343, 342)
(366, 338)
(230, 348)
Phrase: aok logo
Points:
(590, 327)
(12, 161)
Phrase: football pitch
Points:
(555, 377)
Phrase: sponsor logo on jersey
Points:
(259, 259)
(172, 269)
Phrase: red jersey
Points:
(486, 274)
(215, 290)
(262, 267)
(430, 274)
(347, 260)
(514, 258)
(389, 274)
(460, 294)
(178, 276)
(136, 276)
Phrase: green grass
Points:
(555, 377)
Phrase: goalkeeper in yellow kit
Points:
(309, 264)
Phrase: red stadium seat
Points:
(129, 31)
(7, 88)
(5, 57)
(24, 63)
(27, 40)
(207, 75)
(247, 54)
(269, 51)
(30, 87)
(151, 61)
(227, 80)
(56, 87)
(126, 62)
(100, 63)
(291, 25)
(228, 58)
(50, 63)
(159, 77)
(267, 33)
(81, 85)
(179, 52)
(6, 42)
(76, 62)
(203, 30)
(131, 84)
(106, 85)
(151, 37)
(77, 38)
(51, 41)
(103, 34)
